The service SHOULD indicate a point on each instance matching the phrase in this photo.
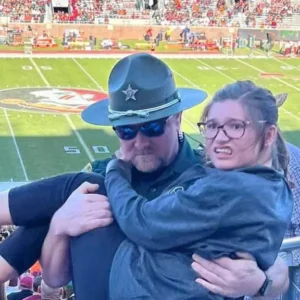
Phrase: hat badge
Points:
(130, 93)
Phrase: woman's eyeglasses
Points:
(233, 129)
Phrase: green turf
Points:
(41, 137)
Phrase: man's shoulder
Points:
(97, 166)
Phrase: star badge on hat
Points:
(130, 93)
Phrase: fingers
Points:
(95, 198)
(87, 187)
(98, 212)
(211, 287)
(210, 266)
(247, 256)
(208, 275)
(96, 223)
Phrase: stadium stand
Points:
(259, 13)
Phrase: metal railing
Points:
(287, 247)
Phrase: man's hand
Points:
(228, 277)
(82, 212)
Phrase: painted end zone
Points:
(48, 99)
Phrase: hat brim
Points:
(97, 113)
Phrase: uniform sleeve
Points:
(168, 221)
(35, 203)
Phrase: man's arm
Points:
(55, 259)
(279, 273)
(36, 203)
(78, 215)
(238, 277)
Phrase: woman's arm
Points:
(168, 221)
(252, 208)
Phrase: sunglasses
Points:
(149, 129)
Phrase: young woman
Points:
(240, 202)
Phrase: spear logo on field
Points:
(58, 100)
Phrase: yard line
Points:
(39, 71)
(195, 86)
(215, 69)
(79, 137)
(77, 134)
(278, 79)
(88, 75)
(16, 144)
(281, 61)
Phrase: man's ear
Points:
(280, 99)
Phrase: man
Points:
(25, 287)
(144, 107)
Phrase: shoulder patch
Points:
(88, 168)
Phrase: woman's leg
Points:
(21, 249)
(92, 255)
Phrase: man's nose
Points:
(141, 140)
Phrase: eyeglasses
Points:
(149, 129)
(233, 129)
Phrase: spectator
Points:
(25, 286)
(36, 289)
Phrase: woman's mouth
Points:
(223, 150)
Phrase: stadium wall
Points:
(119, 31)
(137, 32)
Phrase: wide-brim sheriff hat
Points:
(141, 88)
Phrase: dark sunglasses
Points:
(149, 129)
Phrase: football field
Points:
(42, 134)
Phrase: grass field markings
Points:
(79, 137)
(87, 74)
(39, 71)
(16, 144)
(77, 134)
(278, 79)
(213, 68)
(283, 62)
(194, 85)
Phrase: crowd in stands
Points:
(260, 13)
(23, 10)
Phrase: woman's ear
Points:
(271, 134)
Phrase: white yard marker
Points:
(278, 79)
(88, 74)
(16, 144)
(77, 134)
